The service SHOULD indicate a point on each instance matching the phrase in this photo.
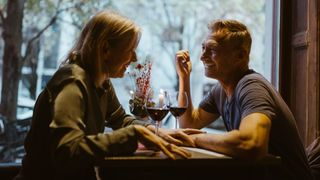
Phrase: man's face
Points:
(218, 59)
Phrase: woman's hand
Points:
(183, 63)
(179, 137)
(150, 140)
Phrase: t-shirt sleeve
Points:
(208, 103)
(255, 97)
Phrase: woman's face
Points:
(119, 57)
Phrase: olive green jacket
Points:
(67, 138)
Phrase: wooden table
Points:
(146, 164)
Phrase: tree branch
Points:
(2, 17)
(167, 50)
(52, 20)
(165, 7)
(78, 26)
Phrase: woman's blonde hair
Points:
(103, 31)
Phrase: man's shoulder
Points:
(255, 83)
(252, 75)
(253, 79)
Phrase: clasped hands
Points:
(168, 140)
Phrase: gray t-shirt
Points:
(254, 94)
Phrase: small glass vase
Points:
(138, 110)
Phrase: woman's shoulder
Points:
(67, 74)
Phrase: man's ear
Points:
(241, 54)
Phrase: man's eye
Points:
(213, 50)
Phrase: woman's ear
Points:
(105, 50)
(105, 46)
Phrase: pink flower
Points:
(142, 77)
(139, 66)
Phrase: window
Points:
(168, 26)
(172, 25)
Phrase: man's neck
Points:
(230, 84)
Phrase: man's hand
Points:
(183, 64)
(179, 137)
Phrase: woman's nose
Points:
(134, 57)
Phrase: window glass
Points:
(168, 26)
(172, 25)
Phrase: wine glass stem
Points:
(177, 123)
(157, 128)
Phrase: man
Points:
(257, 119)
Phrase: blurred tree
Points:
(175, 25)
(38, 12)
(16, 19)
(170, 25)
(22, 23)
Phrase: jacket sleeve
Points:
(71, 144)
(116, 115)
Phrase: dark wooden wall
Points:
(299, 63)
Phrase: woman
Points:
(66, 138)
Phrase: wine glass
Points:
(178, 104)
(156, 106)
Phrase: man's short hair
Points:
(225, 31)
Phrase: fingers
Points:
(183, 63)
(173, 140)
(183, 138)
(178, 137)
(183, 56)
(169, 149)
(180, 151)
(165, 134)
(165, 150)
(152, 141)
(187, 139)
(193, 131)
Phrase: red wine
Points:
(177, 111)
(157, 114)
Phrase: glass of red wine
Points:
(156, 106)
(178, 104)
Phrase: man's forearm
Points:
(231, 143)
(186, 119)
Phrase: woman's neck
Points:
(100, 80)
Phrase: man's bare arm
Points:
(197, 118)
(249, 142)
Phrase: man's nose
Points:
(203, 56)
